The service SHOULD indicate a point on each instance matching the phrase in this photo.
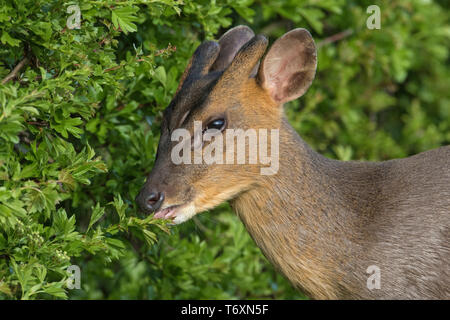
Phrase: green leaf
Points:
(7, 39)
(56, 291)
(124, 17)
(120, 207)
(160, 75)
(150, 237)
(5, 289)
(97, 213)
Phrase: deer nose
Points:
(153, 201)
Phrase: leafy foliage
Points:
(79, 126)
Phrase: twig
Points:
(337, 37)
(113, 68)
(38, 123)
(15, 71)
(200, 225)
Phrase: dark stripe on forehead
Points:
(201, 76)
(196, 84)
(190, 97)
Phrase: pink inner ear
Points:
(280, 69)
(289, 66)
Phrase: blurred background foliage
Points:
(79, 127)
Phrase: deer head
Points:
(224, 88)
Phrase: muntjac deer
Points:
(325, 224)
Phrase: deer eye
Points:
(218, 124)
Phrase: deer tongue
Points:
(165, 213)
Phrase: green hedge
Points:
(79, 127)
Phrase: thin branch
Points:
(38, 123)
(336, 37)
(200, 225)
(15, 71)
(113, 68)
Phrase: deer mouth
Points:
(177, 213)
(167, 212)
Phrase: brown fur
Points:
(323, 222)
(320, 222)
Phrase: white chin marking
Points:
(184, 214)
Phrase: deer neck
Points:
(296, 217)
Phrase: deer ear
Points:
(289, 67)
(230, 43)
